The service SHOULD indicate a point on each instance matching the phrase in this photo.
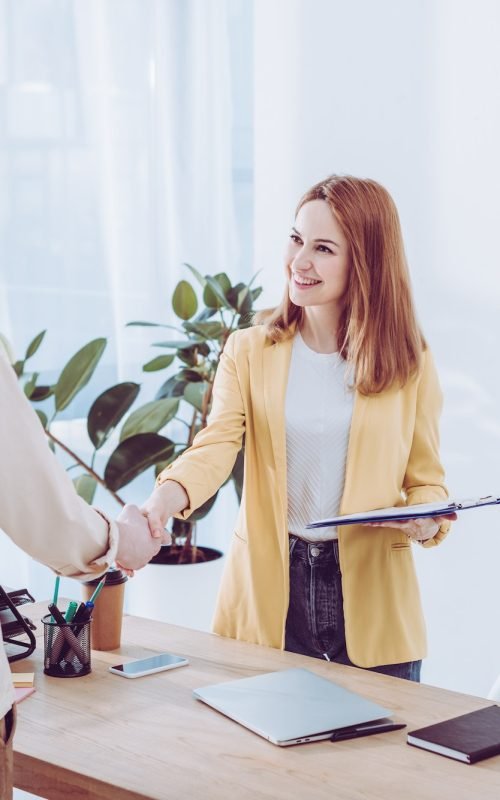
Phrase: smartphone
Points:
(146, 666)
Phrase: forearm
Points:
(172, 496)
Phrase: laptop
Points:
(291, 706)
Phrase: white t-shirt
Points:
(318, 411)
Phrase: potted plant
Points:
(188, 372)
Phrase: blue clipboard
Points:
(401, 513)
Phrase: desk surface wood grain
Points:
(109, 738)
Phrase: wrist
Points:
(174, 496)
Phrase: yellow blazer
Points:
(392, 458)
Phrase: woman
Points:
(338, 398)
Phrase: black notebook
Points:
(468, 738)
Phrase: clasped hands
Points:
(137, 544)
(419, 530)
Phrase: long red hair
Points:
(378, 332)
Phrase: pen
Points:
(95, 595)
(365, 730)
(56, 590)
(70, 611)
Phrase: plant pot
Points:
(183, 555)
(182, 594)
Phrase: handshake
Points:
(136, 544)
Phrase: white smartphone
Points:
(146, 666)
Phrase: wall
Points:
(407, 93)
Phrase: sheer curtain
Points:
(120, 159)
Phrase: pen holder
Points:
(66, 648)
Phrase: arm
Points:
(200, 471)
(40, 509)
(424, 478)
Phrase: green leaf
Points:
(189, 375)
(42, 417)
(179, 345)
(150, 418)
(29, 386)
(209, 330)
(199, 277)
(190, 356)
(160, 362)
(108, 409)
(135, 455)
(194, 394)
(184, 300)
(171, 388)
(142, 324)
(18, 368)
(34, 345)
(41, 393)
(240, 298)
(256, 293)
(85, 486)
(216, 288)
(205, 314)
(77, 372)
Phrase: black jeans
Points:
(315, 621)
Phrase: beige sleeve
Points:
(39, 509)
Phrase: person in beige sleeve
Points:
(41, 512)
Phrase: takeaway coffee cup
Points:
(108, 610)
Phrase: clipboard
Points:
(402, 513)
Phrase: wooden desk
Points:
(102, 736)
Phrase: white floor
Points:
(19, 795)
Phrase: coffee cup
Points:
(108, 609)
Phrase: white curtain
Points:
(117, 164)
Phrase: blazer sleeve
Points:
(205, 466)
(40, 509)
(424, 477)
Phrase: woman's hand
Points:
(419, 530)
(166, 500)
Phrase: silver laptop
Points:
(291, 706)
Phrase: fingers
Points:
(155, 524)
(446, 517)
(128, 572)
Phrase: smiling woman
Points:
(336, 394)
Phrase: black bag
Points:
(15, 627)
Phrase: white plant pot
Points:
(180, 594)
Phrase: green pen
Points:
(70, 611)
(97, 590)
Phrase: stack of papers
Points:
(395, 513)
(23, 685)
(23, 680)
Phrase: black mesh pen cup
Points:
(66, 648)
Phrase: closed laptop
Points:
(290, 706)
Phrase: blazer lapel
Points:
(276, 366)
(354, 455)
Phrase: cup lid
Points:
(113, 577)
